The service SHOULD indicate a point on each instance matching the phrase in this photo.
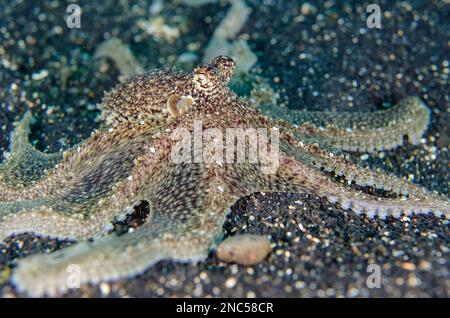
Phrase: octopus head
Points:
(208, 80)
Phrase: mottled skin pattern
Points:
(130, 160)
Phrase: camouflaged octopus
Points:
(77, 193)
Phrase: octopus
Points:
(78, 193)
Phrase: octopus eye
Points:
(178, 105)
(205, 78)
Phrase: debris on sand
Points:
(244, 249)
(121, 55)
(159, 30)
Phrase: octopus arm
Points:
(294, 176)
(183, 224)
(25, 164)
(188, 205)
(361, 131)
(49, 218)
(75, 198)
(330, 159)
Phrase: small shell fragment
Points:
(244, 249)
(178, 105)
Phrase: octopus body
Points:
(77, 194)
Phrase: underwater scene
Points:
(224, 149)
